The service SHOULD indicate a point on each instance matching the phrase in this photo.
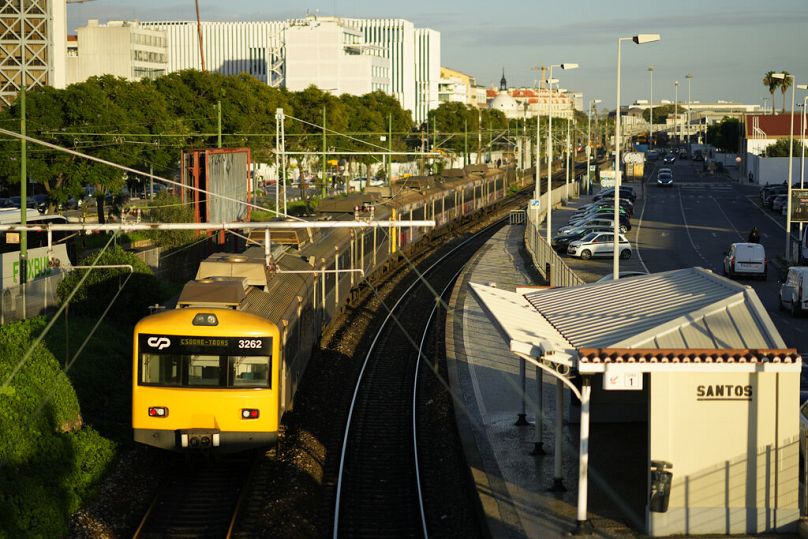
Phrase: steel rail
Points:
(414, 407)
(343, 451)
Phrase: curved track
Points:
(378, 490)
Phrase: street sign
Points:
(622, 381)
(535, 203)
(799, 205)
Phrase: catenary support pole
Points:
(521, 419)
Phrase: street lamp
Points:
(689, 77)
(794, 87)
(639, 39)
(592, 103)
(651, 110)
(550, 150)
(676, 110)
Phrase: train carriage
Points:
(220, 370)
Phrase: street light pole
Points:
(676, 110)
(689, 77)
(550, 149)
(639, 39)
(794, 85)
(592, 103)
(651, 110)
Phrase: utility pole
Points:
(465, 142)
(219, 110)
(325, 179)
(390, 153)
(23, 192)
(199, 34)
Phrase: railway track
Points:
(378, 490)
(198, 499)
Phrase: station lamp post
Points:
(550, 150)
(592, 103)
(651, 110)
(639, 39)
(794, 87)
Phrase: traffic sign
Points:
(799, 205)
(535, 203)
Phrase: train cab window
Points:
(249, 371)
(195, 370)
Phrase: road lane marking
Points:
(690, 237)
(727, 218)
(749, 197)
(639, 228)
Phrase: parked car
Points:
(794, 290)
(779, 202)
(602, 210)
(357, 184)
(599, 244)
(594, 221)
(625, 192)
(621, 275)
(774, 193)
(560, 242)
(376, 182)
(746, 259)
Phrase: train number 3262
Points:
(250, 343)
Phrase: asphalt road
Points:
(692, 224)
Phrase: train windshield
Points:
(221, 362)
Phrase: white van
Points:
(794, 290)
(746, 259)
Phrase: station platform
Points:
(511, 482)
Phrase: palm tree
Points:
(785, 84)
(772, 84)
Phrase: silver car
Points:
(598, 244)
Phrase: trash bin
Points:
(660, 486)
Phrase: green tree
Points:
(725, 135)
(785, 84)
(661, 113)
(772, 84)
(780, 148)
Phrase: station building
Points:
(692, 358)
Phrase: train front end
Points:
(205, 379)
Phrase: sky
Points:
(727, 45)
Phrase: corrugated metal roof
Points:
(688, 308)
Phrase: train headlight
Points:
(158, 411)
(205, 319)
(249, 413)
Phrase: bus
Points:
(41, 261)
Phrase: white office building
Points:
(230, 48)
(333, 56)
(263, 49)
(38, 27)
(119, 48)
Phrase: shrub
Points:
(101, 285)
(47, 465)
(167, 208)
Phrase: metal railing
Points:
(29, 300)
(546, 260)
(518, 217)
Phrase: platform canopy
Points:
(681, 320)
